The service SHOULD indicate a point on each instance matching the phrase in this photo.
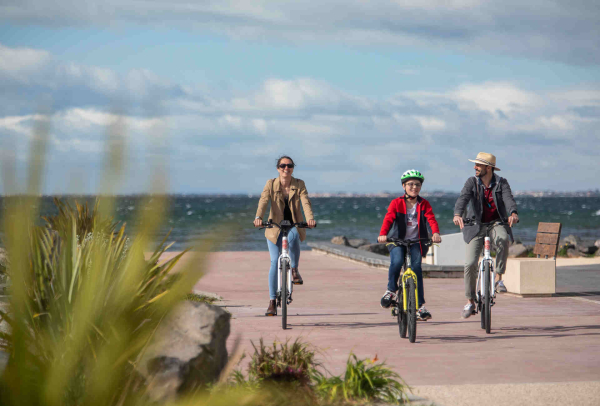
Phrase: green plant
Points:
(283, 362)
(562, 251)
(364, 380)
(87, 221)
(84, 299)
(530, 254)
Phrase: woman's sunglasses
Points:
(282, 166)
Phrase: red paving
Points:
(533, 340)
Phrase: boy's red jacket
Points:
(394, 222)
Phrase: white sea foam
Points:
(190, 212)
(324, 222)
(596, 214)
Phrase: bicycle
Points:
(486, 290)
(406, 306)
(284, 270)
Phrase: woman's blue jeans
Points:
(294, 248)
(397, 256)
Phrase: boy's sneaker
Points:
(468, 311)
(423, 314)
(387, 299)
(500, 287)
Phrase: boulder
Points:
(587, 248)
(376, 248)
(188, 351)
(340, 240)
(517, 251)
(358, 242)
(597, 244)
(572, 240)
(573, 253)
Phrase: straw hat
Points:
(486, 159)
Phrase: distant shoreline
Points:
(386, 194)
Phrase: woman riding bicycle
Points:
(285, 193)
(406, 219)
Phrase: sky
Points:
(210, 93)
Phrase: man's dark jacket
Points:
(473, 193)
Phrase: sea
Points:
(225, 222)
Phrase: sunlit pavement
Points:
(534, 342)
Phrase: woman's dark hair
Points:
(283, 157)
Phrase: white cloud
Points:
(558, 30)
(492, 97)
(324, 127)
(19, 63)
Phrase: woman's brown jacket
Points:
(273, 193)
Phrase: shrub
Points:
(283, 362)
(364, 380)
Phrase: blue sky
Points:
(356, 91)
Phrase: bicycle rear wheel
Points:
(488, 298)
(402, 322)
(412, 310)
(284, 295)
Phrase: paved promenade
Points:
(541, 350)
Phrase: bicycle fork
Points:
(409, 274)
(284, 258)
(480, 277)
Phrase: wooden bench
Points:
(546, 240)
(535, 276)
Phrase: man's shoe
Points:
(296, 278)
(272, 309)
(387, 298)
(423, 314)
(500, 287)
(468, 311)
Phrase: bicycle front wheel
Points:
(402, 321)
(412, 310)
(284, 295)
(488, 298)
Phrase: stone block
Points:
(530, 276)
(451, 251)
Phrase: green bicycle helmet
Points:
(412, 174)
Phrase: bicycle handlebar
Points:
(428, 241)
(471, 222)
(271, 224)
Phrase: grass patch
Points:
(194, 297)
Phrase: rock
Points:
(573, 253)
(340, 240)
(358, 242)
(188, 351)
(3, 260)
(597, 243)
(376, 248)
(572, 240)
(517, 251)
(587, 248)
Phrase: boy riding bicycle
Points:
(406, 218)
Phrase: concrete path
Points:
(538, 346)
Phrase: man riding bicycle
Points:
(407, 218)
(491, 204)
